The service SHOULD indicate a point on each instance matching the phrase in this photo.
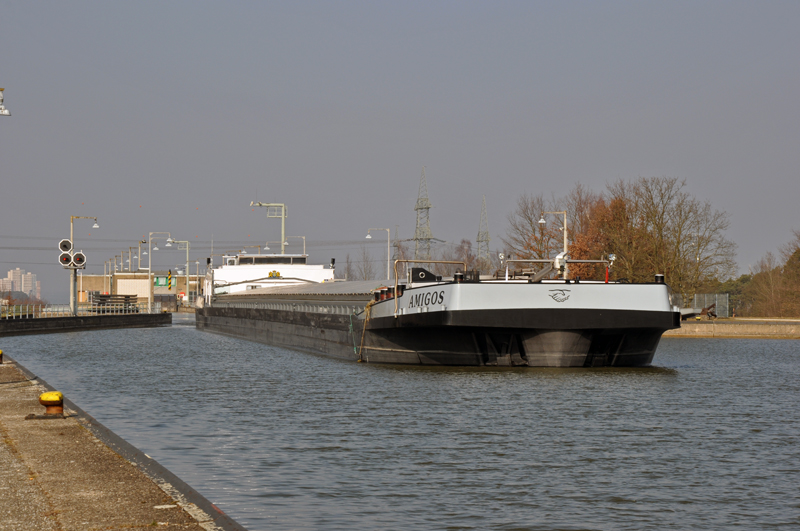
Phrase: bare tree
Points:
(454, 253)
(765, 287)
(401, 252)
(791, 276)
(365, 268)
(348, 272)
(525, 236)
(687, 236)
(464, 253)
(579, 204)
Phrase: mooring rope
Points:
(352, 335)
(368, 311)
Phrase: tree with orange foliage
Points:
(652, 225)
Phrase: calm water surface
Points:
(706, 439)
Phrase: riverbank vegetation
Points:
(650, 225)
(654, 225)
(771, 288)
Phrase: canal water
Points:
(708, 438)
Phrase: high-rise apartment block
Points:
(18, 280)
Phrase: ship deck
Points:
(347, 291)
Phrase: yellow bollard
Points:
(1, 357)
(53, 401)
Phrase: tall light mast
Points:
(276, 210)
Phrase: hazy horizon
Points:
(174, 116)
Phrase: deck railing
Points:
(39, 311)
(334, 308)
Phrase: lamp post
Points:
(131, 258)
(272, 212)
(111, 290)
(111, 275)
(304, 242)
(150, 264)
(388, 246)
(542, 222)
(108, 290)
(184, 244)
(196, 280)
(266, 245)
(73, 271)
(139, 255)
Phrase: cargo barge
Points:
(516, 320)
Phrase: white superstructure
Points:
(243, 272)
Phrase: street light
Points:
(139, 255)
(388, 246)
(272, 212)
(185, 243)
(304, 242)
(542, 222)
(150, 265)
(266, 245)
(73, 272)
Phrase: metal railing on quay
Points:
(41, 311)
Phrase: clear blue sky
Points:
(193, 109)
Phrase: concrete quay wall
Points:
(73, 473)
(753, 329)
(51, 325)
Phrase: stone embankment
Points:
(739, 328)
(72, 473)
(50, 325)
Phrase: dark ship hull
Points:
(491, 323)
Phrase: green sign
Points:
(161, 282)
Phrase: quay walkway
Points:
(75, 474)
(745, 328)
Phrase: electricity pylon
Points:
(423, 234)
(483, 238)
